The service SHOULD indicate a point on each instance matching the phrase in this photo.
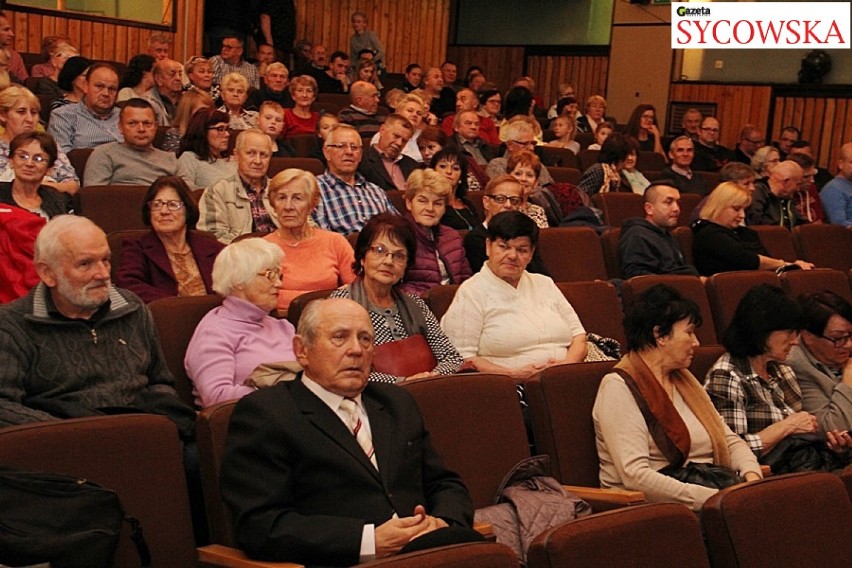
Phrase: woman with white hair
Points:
(234, 93)
(233, 339)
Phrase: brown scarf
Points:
(665, 424)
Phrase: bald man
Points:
(772, 201)
(363, 113)
(836, 196)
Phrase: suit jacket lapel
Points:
(156, 252)
(327, 422)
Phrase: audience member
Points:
(467, 101)
(751, 139)
(335, 78)
(526, 167)
(504, 296)
(836, 196)
(72, 81)
(314, 259)
(94, 120)
(412, 108)
(720, 241)
(19, 113)
(117, 360)
(460, 214)
(605, 175)
(679, 171)
(273, 87)
(431, 141)
(602, 132)
(159, 46)
(710, 156)
(822, 176)
(31, 156)
(199, 73)
(519, 102)
(821, 359)
(363, 114)
(231, 340)
(772, 203)
(563, 91)
(651, 416)
(806, 199)
(49, 45)
(203, 156)
(564, 129)
(190, 103)
(134, 161)
(789, 135)
(265, 57)
(503, 193)
(595, 113)
(764, 161)
(15, 66)
(301, 119)
(413, 76)
(439, 257)
(450, 75)
(631, 174)
(49, 85)
(466, 127)
(323, 502)
(403, 324)
(365, 38)
(691, 122)
(270, 121)
(643, 127)
(490, 105)
(383, 163)
(756, 392)
(239, 204)
(138, 78)
(230, 60)
(170, 260)
(235, 89)
(442, 99)
(168, 86)
(646, 246)
(735, 172)
(347, 200)
(520, 136)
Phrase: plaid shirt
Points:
(244, 68)
(345, 208)
(261, 221)
(748, 403)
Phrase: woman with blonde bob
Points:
(314, 259)
(722, 243)
(594, 115)
(233, 339)
(440, 256)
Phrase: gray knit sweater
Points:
(74, 367)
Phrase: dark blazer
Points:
(144, 266)
(373, 169)
(301, 489)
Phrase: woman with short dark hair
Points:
(407, 334)
(203, 155)
(651, 415)
(31, 155)
(171, 260)
(605, 176)
(752, 387)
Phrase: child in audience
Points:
(602, 132)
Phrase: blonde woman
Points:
(190, 103)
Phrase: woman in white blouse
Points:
(507, 320)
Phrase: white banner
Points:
(760, 25)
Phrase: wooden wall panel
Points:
(114, 42)
(410, 30)
(824, 121)
(737, 105)
(586, 73)
(502, 65)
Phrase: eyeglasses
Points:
(838, 342)
(501, 199)
(26, 157)
(171, 205)
(708, 129)
(343, 146)
(219, 129)
(273, 275)
(526, 144)
(397, 256)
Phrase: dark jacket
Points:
(144, 266)
(53, 201)
(373, 169)
(684, 184)
(448, 245)
(710, 159)
(645, 248)
(767, 209)
(719, 249)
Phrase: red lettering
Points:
(835, 31)
(716, 31)
(701, 30)
(792, 29)
(770, 29)
(809, 31)
(737, 27)
(683, 26)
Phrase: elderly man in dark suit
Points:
(328, 469)
(384, 164)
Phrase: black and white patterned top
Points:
(388, 326)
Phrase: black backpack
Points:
(64, 520)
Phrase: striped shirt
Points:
(75, 126)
